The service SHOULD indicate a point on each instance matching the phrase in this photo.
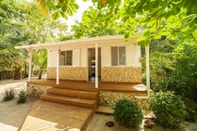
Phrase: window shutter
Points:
(76, 57)
(106, 56)
(114, 56)
(130, 54)
(54, 58)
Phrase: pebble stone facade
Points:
(121, 74)
(68, 73)
(110, 99)
(108, 74)
(37, 90)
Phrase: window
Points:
(66, 58)
(118, 56)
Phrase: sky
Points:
(78, 16)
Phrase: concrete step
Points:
(74, 93)
(104, 110)
(70, 100)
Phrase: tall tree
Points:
(22, 23)
(92, 29)
(11, 34)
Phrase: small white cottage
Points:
(118, 61)
(108, 61)
(104, 59)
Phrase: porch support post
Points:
(30, 65)
(57, 68)
(147, 70)
(96, 65)
(147, 75)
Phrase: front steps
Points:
(75, 96)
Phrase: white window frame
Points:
(65, 60)
(118, 55)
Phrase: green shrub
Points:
(168, 108)
(127, 113)
(191, 108)
(8, 94)
(22, 97)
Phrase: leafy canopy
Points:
(175, 19)
(96, 28)
(60, 8)
(22, 23)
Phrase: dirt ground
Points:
(98, 123)
(12, 115)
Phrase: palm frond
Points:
(42, 4)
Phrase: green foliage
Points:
(43, 6)
(174, 19)
(191, 108)
(11, 34)
(161, 53)
(40, 61)
(22, 97)
(91, 26)
(168, 108)
(184, 79)
(127, 113)
(62, 8)
(18, 20)
(8, 94)
(168, 63)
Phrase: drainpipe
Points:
(147, 75)
(58, 64)
(30, 64)
(96, 65)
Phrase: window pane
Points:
(114, 56)
(69, 58)
(62, 58)
(122, 56)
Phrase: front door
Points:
(91, 64)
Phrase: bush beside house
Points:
(128, 113)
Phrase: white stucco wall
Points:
(80, 69)
(84, 56)
(52, 58)
(80, 53)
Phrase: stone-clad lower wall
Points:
(68, 73)
(37, 90)
(121, 74)
(110, 99)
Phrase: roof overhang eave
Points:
(69, 42)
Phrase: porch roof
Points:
(92, 40)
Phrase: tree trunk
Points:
(17, 73)
(40, 75)
(32, 70)
(26, 74)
